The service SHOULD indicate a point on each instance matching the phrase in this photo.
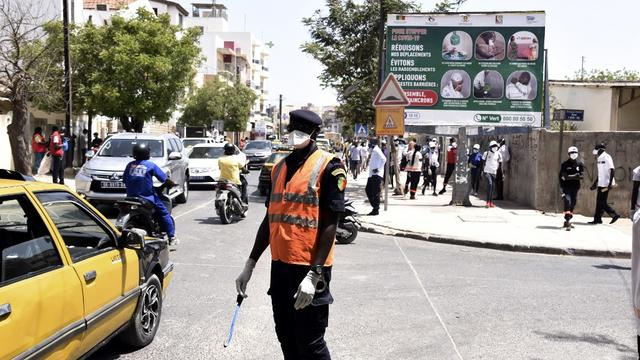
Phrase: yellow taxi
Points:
(264, 181)
(69, 281)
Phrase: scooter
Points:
(229, 204)
(137, 212)
(348, 224)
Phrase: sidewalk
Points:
(69, 179)
(508, 226)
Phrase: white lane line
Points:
(426, 294)
(194, 209)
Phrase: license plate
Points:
(112, 185)
(197, 178)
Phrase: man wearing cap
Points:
(570, 175)
(603, 184)
(305, 202)
(453, 90)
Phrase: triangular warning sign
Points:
(389, 124)
(391, 94)
(362, 130)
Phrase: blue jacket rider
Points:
(138, 178)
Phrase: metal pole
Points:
(280, 117)
(560, 146)
(547, 111)
(67, 65)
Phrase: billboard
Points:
(472, 69)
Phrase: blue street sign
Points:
(362, 130)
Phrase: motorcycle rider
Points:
(138, 179)
(231, 166)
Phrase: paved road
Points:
(395, 299)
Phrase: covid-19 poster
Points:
(469, 69)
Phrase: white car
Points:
(203, 163)
(190, 142)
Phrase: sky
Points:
(602, 32)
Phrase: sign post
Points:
(389, 103)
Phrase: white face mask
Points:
(299, 139)
(573, 156)
(475, 151)
(454, 145)
(595, 151)
(494, 148)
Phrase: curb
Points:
(441, 239)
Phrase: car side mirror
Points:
(133, 239)
(175, 155)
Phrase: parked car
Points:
(69, 281)
(192, 141)
(100, 179)
(258, 151)
(203, 163)
(264, 181)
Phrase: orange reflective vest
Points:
(294, 211)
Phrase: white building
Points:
(99, 12)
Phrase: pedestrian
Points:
(433, 166)
(414, 169)
(504, 153)
(39, 148)
(66, 143)
(96, 142)
(570, 176)
(635, 251)
(492, 160)
(603, 184)
(82, 147)
(354, 160)
(475, 161)
(451, 163)
(306, 199)
(376, 169)
(364, 157)
(410, 147)
(57, 155)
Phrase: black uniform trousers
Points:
(373, 191)
(602, 205)
(499, 183)
(448, 173)
(300, 332)
(57, 169)
(569, 196)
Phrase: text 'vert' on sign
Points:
(390, 121)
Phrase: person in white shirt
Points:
(354, 160)
(364, 157)
(433, 166)
(603, 184)
(414, 169)
(635, 251)
(492, 160)
(453, 90)
(376, 170)
(519, 88)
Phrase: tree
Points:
(606, 75)
(27, 67)
(237, 103)
(144, 67)
(345, 41)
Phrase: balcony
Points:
(255, 61)
(264, 68)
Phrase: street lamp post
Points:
(280, 117)
(67, 65)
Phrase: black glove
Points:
(169, 183)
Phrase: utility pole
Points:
(280, 117)
(582, 70)
(67, 65)
(383, 19)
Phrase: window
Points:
(155, 11)
(101, 7)
(124, 147)
(180, 20)
(83, 233)
(26, 247)
(177, 145)
(172, 146)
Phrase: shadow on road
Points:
(594, 339)
(611, 266)
(112, 350)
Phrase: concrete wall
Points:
(595, 101)
(629, 114)
(532, 174)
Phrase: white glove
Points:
(306, 290)
(245, 275)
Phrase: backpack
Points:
(65, 144)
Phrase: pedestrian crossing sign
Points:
(390, 120)
(362, 130)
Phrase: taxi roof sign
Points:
(391, 93)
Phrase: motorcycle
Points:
(137, 212)
(228, 203)
(348, 224)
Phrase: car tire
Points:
(144, 324)
(184, 196)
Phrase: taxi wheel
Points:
(146, 320)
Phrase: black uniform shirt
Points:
(571, 173)
(332, 184)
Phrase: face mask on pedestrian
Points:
(475, 151)
(454, 145)
(299, 139)
(573, 156)
(595, 151)
(494, 148)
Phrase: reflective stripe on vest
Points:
(294, 210)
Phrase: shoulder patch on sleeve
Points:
(342, 183)
(339, 171)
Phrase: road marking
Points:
(194, 209)
(426, 294)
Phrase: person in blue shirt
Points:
(138, 179)
(475, 164)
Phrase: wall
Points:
(629, 114)
(531, 177)
(595, 101)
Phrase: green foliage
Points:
(216, 100)
(554, 104)
(448, 5)
(607, 75)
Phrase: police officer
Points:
(570, 175)
(306, 199)
(138, 179)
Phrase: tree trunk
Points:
(399, 189)
(137, 125)
(22, 159)
(126, 124)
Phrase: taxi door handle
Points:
(5, 310)
(89, 276)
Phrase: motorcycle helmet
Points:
(229, 149)
(141, 151)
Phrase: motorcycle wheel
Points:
(225, 212)
(350, 227)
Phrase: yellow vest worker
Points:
(303, 208)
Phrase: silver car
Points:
(100, 179)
